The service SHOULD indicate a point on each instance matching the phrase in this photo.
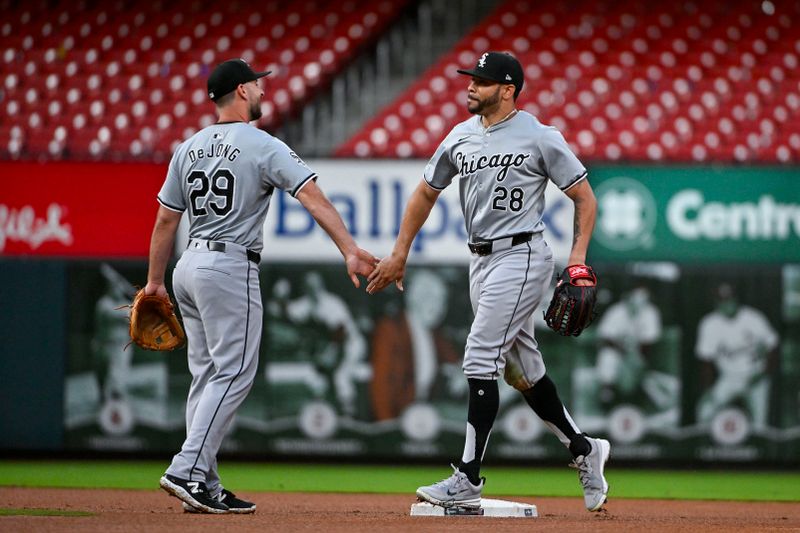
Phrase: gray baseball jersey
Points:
(503, 172)
(225, 175)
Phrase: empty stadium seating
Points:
(126, 80)
(624, 80)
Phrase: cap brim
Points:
(262, 74)
(477, 75)
(468, 72)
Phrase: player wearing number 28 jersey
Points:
(502, 160)
(223, 177)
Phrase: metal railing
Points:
(422, 34)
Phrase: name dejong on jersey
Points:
(501, 161)
(224, 151)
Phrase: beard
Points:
(478, 107)
(255, 111)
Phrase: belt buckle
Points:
(481, 248)
(216, 246)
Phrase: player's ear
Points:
(508, 92)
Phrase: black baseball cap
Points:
(227, 76)
(500, 67)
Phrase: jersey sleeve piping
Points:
(303, 183)
(434, 187)
(170, 207)
(577, 180)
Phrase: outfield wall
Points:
(343, 374)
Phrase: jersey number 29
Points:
(220, 186)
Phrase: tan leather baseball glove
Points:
(153, 324)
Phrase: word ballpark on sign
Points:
(377, 215)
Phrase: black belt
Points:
(216, 246)
(486, 247)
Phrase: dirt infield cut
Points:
(127, 510)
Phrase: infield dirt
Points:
(130, 510)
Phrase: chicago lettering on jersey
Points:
(225, 151)
(501, 161)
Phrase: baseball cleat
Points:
(193, 493)
(590, 473)
(235, 505)
(455, 491)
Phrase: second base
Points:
(489, 507)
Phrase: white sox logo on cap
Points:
(499, 67)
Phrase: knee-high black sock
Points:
(545, 402)
(484, 401)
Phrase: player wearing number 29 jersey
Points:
(502, 159)
(224, 177)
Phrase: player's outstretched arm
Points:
(359, 262)
(585, 213)
(161, 243)
(393, 268)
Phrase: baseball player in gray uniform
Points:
(502, 159)
(224, 177)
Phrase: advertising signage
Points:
(697, 215)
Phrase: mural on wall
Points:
(694, 354)
(680, 363)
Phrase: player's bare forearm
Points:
(319, 207)
(161, 243)
(583, 220)
(417, 211)
(357, 260)
(392, 268)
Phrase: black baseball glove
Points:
(572, 307)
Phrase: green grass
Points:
(42, 512)
(502, 481)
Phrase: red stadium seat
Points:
(640, 72)
(625, 80)
(119, 55)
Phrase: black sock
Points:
(484, 401)
(543, 399)
(578, 445)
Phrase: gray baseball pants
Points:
(505, 289)
(219, 297)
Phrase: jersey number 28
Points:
(514, 199)
(220, 186)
